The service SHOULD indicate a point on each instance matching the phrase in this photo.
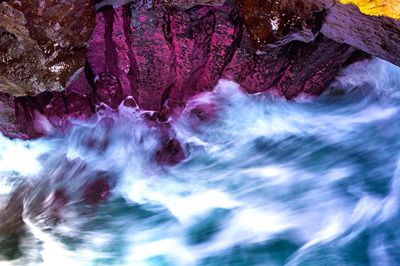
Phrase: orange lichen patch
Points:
(387, 8)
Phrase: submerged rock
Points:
(170, 153)
(96, 191)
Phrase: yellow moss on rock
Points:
(387, 8)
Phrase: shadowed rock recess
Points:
(162, 53)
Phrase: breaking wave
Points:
(264, 181)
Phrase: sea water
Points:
(265, 182)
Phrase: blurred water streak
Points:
(264, 182)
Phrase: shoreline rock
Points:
(161, 54)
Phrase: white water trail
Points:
(265, 182)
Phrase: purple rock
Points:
(96, 191)
(161, 56)
(170, 153)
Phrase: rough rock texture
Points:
(162, 56)
(378, 36)
(162, 53)
(8, 120)
(279, 22)
(183, 4)
(42, 43)
(49, 111)
(370, 25)
(274, 22)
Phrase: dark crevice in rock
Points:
(168, 36)
(111, 53)
(104, 8)
(64, 99)
(318, 19)
(133, 68)
(166, 27)
(90, 76)
(163, 55)
(237, 39)
(356, 56)
(165, 95)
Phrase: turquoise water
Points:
(267, 182)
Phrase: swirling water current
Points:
(267, 182)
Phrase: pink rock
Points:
(164, 56)
(109, 90)
(43, 114)
(161, 56)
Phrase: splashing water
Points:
(265, 182)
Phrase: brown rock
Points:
(42, 43)
(8, 120)
(281, 21)
(278, 22)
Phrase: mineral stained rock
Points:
(162, 56)
(163, 53)
(378, 36)
(278, 22)
(42, 43)
(273, 22)
(385, 8)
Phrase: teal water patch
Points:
(265, 182)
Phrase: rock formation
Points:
(162, 53)
(390, 9)
(42, 43)
(377, 36)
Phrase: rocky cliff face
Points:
(276, 21)
(162, 53)
(383, 8)
(376, 35)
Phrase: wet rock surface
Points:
(279, 22)
(163, 53)
(42, 43)
(181, 53)
(162, 56)
(274, 22)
